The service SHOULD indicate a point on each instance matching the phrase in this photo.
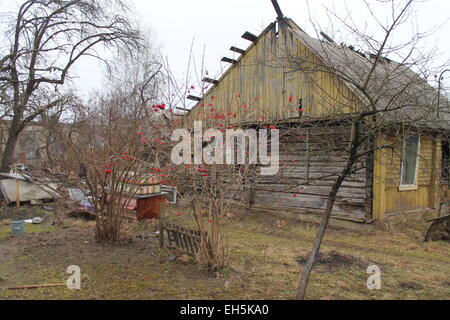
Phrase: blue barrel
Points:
(17, 227)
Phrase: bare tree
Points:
(43, 42)
(113, 147)
(119, 136)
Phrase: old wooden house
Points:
(307, 87)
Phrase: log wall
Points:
(310, 160)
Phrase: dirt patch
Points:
(12, 245)
(334, 260)
(82, 215)
(140, 269)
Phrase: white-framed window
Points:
(410, 161)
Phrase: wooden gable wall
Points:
(266, 85)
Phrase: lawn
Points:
(264, 262)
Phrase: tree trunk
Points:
(355, 141)
(8, 153)
(304, 279)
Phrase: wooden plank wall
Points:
(390, 200)
(310, 159)
(309, 162)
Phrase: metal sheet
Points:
(27, 191)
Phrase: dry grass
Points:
(5, 230)
(263, 264)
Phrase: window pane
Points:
(410, 160)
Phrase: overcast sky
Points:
(217, 25)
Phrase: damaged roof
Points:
(394, 88)
(399, 93)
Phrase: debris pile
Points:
(16, 187)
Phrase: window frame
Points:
(415, 185)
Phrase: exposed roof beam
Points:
(209, 80)
(225, 59)
(240, 51)
(190, 97)
(277, 8)
(249, 36)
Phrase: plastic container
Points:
(17, 227)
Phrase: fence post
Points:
(17, 192)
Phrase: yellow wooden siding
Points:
(259, 87)
(379, 180)
(388, 199)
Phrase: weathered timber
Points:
(310, 161)
(249, 36)
(194, 98)
(301, 174)
(277, 8)
(237, 50)
(307, 211)
(300, 198)
(183, 238)
(315, 203)
(229, 60)
(357, 193)
(209, 80)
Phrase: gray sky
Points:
(217, 25)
